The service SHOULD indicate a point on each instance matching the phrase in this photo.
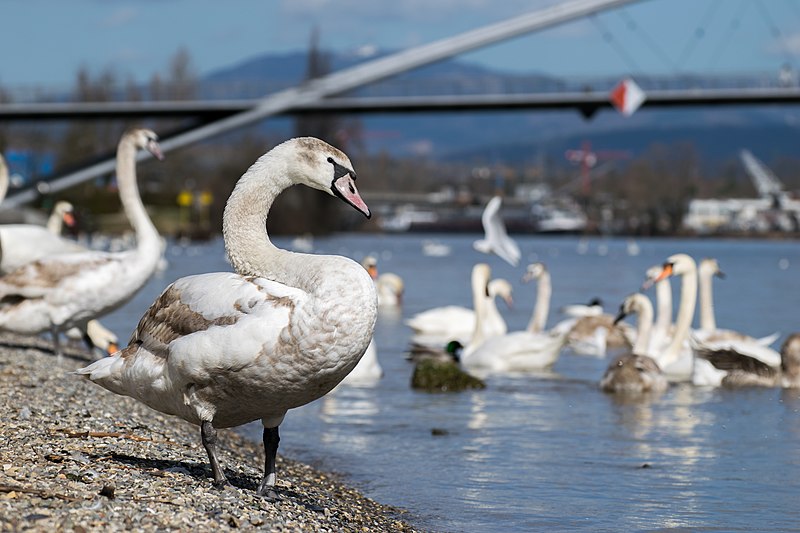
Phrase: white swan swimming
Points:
(635, 372)
(520, 351)
(440, 325)
(593, 308)
(223, 349)
(64, 291)
(388, 285)
(496, 239)
(732, 368)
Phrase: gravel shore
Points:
(75, 457)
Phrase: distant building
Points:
(750, 215)
(774, 210)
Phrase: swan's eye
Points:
(330, 160)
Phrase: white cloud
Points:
(120, 17)
(790, 44)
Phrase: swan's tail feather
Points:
(108, 371)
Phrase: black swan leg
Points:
(209, 436)
(56, 341)
(271, 440)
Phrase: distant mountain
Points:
(519, 136)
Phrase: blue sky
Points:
(44, 42)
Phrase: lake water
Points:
(551, 451)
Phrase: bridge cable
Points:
(649, 41)
(698, 34)
(609, 38)
(775, 31)
(732, 27)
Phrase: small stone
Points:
(107, 491)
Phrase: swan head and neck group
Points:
(303, 160)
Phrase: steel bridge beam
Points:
(587, 103)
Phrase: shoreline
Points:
(76, 457)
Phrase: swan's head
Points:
(709, 266)
(503, 289)
(632, 304)
(65, 211)
(534, 271)
(371, 264)
(676, 265)
(651, 275)
(144, 139)
(319, 165)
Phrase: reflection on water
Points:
(550, 451)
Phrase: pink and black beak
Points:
(344, 186)
(69, 219)
(153, 147)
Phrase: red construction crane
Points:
(588, 159)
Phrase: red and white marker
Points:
(627, 97)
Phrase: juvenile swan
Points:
(223, 349)
(64, 291)
(635, 371)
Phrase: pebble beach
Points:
(75, 457)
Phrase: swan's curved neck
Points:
(244, 227)
(146, 233)
(4, 179)
(664, 305)
(683, 321)
(544, 289)
(479, 301)
(707, 320)
(55, 223)
(491, 309)
(244, 222)
(644, 324)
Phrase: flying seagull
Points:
(496, 238)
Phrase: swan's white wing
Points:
(219, 328)
(496, 238)
(517, 351)
(443, 319)
(43, 277)
(24, 243)
(219, 320)
(738, 350)
(729, 360)
(769, 339)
